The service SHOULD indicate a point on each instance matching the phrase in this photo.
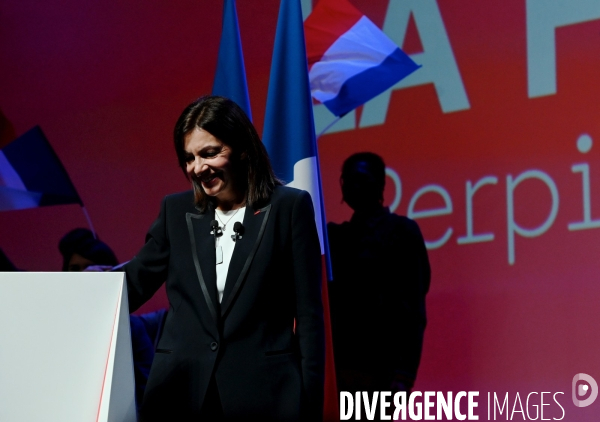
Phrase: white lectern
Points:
(65, 348)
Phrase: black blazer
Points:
(263, 367)
(381, 275)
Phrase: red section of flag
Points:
(331, 406)
(329, 20)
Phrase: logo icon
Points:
(585, 390)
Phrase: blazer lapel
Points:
(243, 254)
(204, 255)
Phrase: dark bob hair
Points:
(227, 122)
(83, 242)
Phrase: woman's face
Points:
(209, 162)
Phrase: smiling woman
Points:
(229, 350)
(212, 129)
(209, 163)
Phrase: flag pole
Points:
(89, 220)
(337, 119)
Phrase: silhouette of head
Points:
(363, 181)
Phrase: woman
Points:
(229, 349)
(80, 248)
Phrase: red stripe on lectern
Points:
(108, 356)
(330, 408)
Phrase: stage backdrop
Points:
(493, 147)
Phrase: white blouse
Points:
(225, 244)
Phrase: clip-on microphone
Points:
(215, 229)
(238, 229)
(217, 232)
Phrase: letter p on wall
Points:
(513, 226)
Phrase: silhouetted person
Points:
(80, 250)
(381, 275)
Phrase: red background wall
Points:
(106, 82)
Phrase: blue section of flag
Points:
(40, 170)
(230, 78)
(360, 88)
(289, 130)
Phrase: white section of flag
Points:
(360, 48)
(17, 199)
(306, 178)
(8, 176)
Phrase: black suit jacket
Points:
(381, 275)
(264, 369)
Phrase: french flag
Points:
(289, 137)
(350, 59)
(31, 175)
